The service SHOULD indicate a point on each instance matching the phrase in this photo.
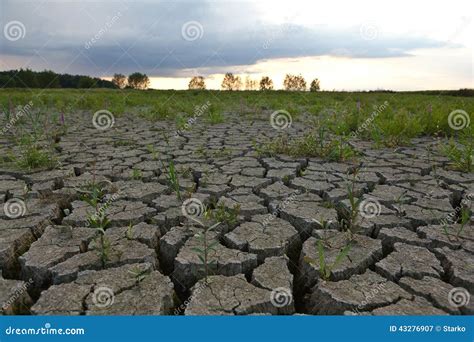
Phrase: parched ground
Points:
(405, 256)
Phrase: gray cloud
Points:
(115, 36)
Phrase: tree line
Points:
(26, 78)
(232, 82)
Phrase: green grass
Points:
(387, 119)
(460, 152)
(310, 145)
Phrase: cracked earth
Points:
(403, 260)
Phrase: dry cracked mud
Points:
(279, 248)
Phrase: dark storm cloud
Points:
(146, 36)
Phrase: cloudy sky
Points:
(348, 45)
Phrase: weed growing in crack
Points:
(32, 155)
(93, 195)
(138, 274)
(205, 247)
(172, 178)
(228, 216)
(310, 145)
(100, 222)
(129, 232)
(137, 174)
(154, 153)
(465, 217)
(324, 224)
(214, 115)
(325, 269)
(461, 153)
(350, 220)
(399, 202)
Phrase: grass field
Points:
(386, 118)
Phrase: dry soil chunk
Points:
(359, 293)
(229, 296)
(408, 260)
(416, 307)
(188, 267)
(57, 244)
(273, 274)
(265, 236)
(363, 253)
(459, 265)
(14, 298)
(120, 213)
(436, 291)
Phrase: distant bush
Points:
(119, 80)
(231, 82)
(197, 82)
(138, 81)
(294, 83)
(266, 83)
(314, 85)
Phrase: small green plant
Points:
(129, 232)
(137, 174)
(33, 157)
(465, 217)
(399, 202)
(325, 269)
(324, 224)
(350, 220)
(151, 149)
(100, 222)
(206, 246)
(172, 177)
(214, 115)
(228, 216)
(138, 274)
(93, 194)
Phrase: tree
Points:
(86, 82)
(138, 81)
(266, 83)
(119, 80)
(231, 82)
(197, 82)
(250, 84)
(47, 79)
(27, 78)
(314, 85)
(294, 82)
